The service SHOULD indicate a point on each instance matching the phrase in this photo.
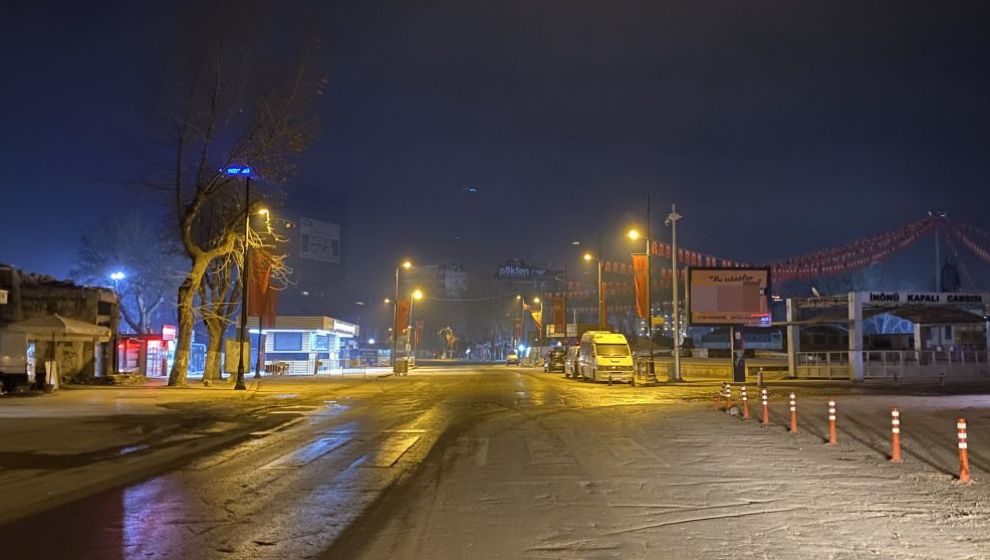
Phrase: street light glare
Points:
(407, 265)
(418, 295)
(388, 300)
(117, 275)
(633, 234)
(588, 257)
(262, 211)
(536, 300)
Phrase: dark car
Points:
(555, 360)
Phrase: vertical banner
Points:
(419, 332)
(538, 318)
(559, 315)
(270, 313)
(402, 316)
(517, 331)
(259, 276)
(639, 282)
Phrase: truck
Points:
(605, 356)
(16, 362)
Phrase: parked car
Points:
(605, 356)
(512, 360)
(554, 361)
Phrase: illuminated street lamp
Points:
(243, 171)
(410, 333)
(405, 265)
(635, 235)
(117, 276)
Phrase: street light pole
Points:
(649, 280)
(116, 276)
(245, 271)
(395, 314)
(602, 316)
(672, 220)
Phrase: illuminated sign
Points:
(168, 332)
(340, 327)
(3, 297)
(729, 296)
(924, 298)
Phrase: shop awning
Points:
(62, 329)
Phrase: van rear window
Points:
(611, 350)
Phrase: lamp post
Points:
(634, 235)
(588, 257)
(672, 219)
(406, 265)
(244, 171)
(517, 341)
(539, 332)
(257, 353)
(116, 276)
(410, 332)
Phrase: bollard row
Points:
(725, 393)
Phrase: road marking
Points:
(474, 447)
(307, 454)
(388, 451)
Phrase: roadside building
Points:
(304, 345)
(32, 296)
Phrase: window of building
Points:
(321, 342)
(288, 342)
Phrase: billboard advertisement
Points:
(319, 240)
(729, 296)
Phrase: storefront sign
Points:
(168, 332)
(340, 327)
(924, 298)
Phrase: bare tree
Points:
(227, 118)
(146, 255)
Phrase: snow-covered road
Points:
(496, 462)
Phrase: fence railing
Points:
(893, 364)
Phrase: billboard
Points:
(729, 296)
(319, 240)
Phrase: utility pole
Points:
(672, 220)
(649, 288)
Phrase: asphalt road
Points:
(487, 462)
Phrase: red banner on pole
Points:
(639, 280)
(559, 315)
(402, 316)
(259, 276)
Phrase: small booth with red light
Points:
(149, 355)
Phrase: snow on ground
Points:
(640, 481)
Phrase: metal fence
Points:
(894, 364)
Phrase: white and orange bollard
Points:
(793, 429)
(831, 422)
(963, 453)
(766, 409)
(895, 436)
(745, 403)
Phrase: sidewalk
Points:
(81, 439)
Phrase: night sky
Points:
(777, 127)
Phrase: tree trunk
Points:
(187, 318)
(214, 347)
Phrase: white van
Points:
(16, 361)
(605, 356)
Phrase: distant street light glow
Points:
(633, 234)
(417, 295)
(117, 276)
